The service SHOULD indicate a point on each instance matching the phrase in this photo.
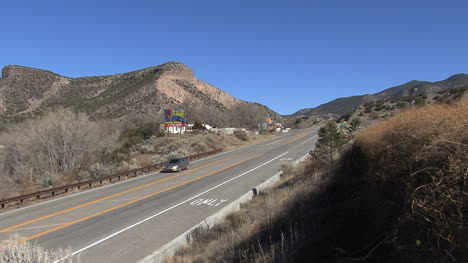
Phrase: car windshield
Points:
(174, 161)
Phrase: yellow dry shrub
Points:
(417, 162)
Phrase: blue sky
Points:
(287, 55)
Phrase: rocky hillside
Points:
(345, 105)
(27, 92)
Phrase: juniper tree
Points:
(329, 143)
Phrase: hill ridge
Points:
(27, 92)
(343, 105)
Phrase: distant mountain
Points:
(344, 105)
(27, 92)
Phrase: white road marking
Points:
(170, 208)
(309, 139)
(286, 159)
(209, 202)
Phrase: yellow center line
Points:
(302, 135)
(131, 202)
(117, 200)
(112, 196)
(34, 227)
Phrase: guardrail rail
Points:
(89, 183)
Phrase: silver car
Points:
(176, 165)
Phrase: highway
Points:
(126, 221)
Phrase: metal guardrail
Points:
(89, 183)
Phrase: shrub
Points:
(420, 101)
(402, 104)
(242, 135)
(198, 126)
(374, 116)
(13, 251)
(133, 136)
(355, 123)
(414, 168)
(159, 134)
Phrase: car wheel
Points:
(179, 169)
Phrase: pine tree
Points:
(330, 142)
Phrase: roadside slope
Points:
(396, 195)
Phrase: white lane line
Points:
(172, 207)
(274, 142)
(309, 139)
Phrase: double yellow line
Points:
(299, 136)
(118, 194)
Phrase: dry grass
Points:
(12, 252)
(418, 163)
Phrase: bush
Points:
(242, 135)
(133, 136)
(159, 134)
(420, 101)
(30, 253)
(198, 126)
(413, 169)
(355, 123)
(374, 116)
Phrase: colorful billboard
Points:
(174, 118)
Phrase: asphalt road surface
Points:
(126, 221)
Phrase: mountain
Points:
(344, 105)
(27, 92)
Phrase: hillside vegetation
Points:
(397, 194)
(374, 111)
(345, 105)
(27, 93)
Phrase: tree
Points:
(330, 142)
(247, 115)
(198, 126)
(59, 143)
